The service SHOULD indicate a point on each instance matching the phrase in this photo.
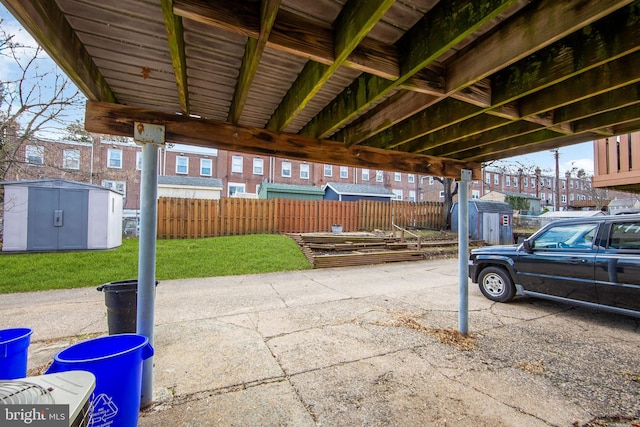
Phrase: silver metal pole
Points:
(463, 252)
(150, 136)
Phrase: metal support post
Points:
(150, 137)
(463, 252)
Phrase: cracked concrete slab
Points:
(373, 345)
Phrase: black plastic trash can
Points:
(121, 299)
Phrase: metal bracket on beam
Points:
(148, 133)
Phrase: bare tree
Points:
(36, 99)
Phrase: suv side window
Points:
(573, 236)
(625, 236)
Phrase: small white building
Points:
(56, 214)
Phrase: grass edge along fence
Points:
(180, 218)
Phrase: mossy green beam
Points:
(46, 22)
(444, 26)
(252, 54)
(175, 38)
(613, 36)
(356, 20)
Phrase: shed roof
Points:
(513, 194)
(360, 189)
(190, 181)
(291, 188)
(423, 86)
(57, 183)
(491, 206)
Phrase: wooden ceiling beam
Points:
(356, 19)
(291, 34)
(609, 76)
(466, 77)
(611, 100)
(251, 60)
(175, 37)
(502, 133)
(439, 30)
(603, 41)
(115, 119)
(540, 144)
(543, 23)
(44, 20)
(569, 87)
(608, 119)
(434, 118)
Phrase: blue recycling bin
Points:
(116, 362)
(14, 344)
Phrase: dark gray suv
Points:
(589, 261)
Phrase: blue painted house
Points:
(354, 192)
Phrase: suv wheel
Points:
(496, 284)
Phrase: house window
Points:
(571, 184)
(496, 179)
(286, 169)
(182, 165)
(412, 196)
(258, 166)
(397, 177)
(304, 171)
(235, 188)
(71, 159)
(119, 186)
(507, 180)
(487, 178)
(572, 197)
(411, 178)
(365, 174)
(515, 181)
(525, 182)
(328, 170)
(542, 197)
(564, 184)
(398, 194)
(344, 172)
(237, 164)
(564, 198)
(379, 176)
(475, 194)
(431, 180)
(533, 182)
(34, 155)
(441, 194)
(115, 159)
(139, 160)
(206, 167)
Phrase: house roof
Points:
(190, 181)
(291, 188)
(509, 193)
(571, 214)
(420, 86)
(623, 203)
(360, 189)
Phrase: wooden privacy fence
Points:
(193, 218)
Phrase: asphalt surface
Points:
(362, 346)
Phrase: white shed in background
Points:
(56, 214)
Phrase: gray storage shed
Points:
(56, 214)
(488, 220)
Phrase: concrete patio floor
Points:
(372, 346)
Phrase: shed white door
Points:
(491, 228)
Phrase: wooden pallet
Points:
(354, 259)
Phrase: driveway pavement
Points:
(372, 346)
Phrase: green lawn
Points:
(175, 259)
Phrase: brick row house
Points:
(116, 163)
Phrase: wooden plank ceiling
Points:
(421, 86)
